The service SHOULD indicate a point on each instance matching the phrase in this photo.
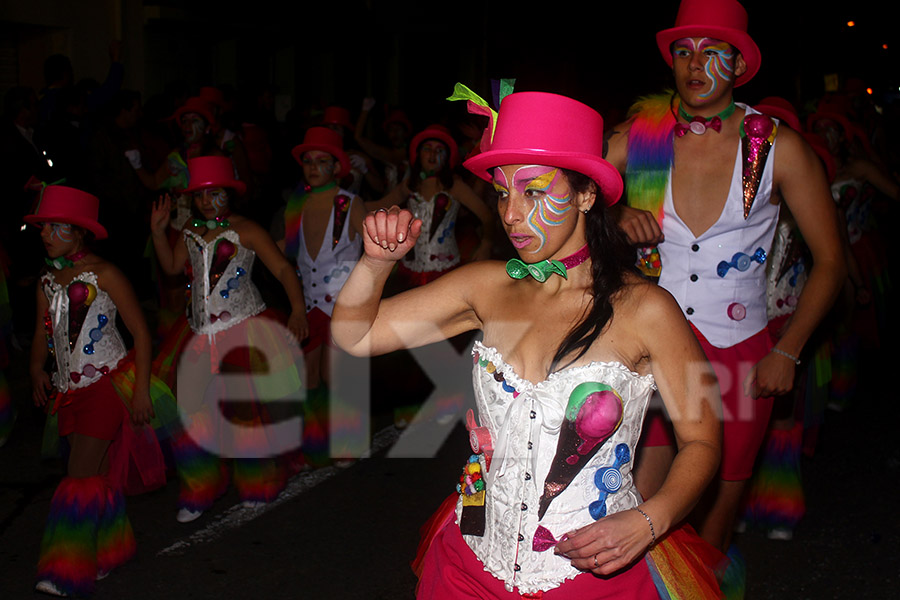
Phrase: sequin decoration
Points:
(608, 480)
(649, 262)
(341, 210)
(757, 136)
(741, 262)
(234, 282)
(472, 489)
(96, 334)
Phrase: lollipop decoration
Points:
(224, 251)
(757, 136)
(593, 414)
(234, 282)
(608, 480)
(341, 209)
(81, 295)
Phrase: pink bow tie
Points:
(698, 125)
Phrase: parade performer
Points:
(434, 194)
(219, 249)
(714, 221)
(546, 506)
(98, 392)
(323, 234)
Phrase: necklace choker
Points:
(61, 262)
(542, 270)
(699, 125)
(321, 188)
(222, 222)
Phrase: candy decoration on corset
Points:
(234, 282)
(608, 480)
(471, 488)
(96, 334)
(223, 252)
(441, 206)
(593, 414)
(341, 210)
(741, 262)
(81, 295)
(757, 136)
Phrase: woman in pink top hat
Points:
(225, 308)
(434, 194)
(546, 505)
(98, 392)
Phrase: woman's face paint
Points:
(318, 167)
(59, 239)
(716, 58)
(193, 127)
(211, 202)
(434, 154)
(547, 198)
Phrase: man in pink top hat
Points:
(704, 187)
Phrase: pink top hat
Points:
(61, 204)
(337, 115)
(724, 20)
(434, 132)
(324, 140)
(837, 118)
(212, 172)
(195, 104)
(780, 108)
(551, 130)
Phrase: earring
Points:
(585, 211)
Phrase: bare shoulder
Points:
(108, 275)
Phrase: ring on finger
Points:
(596, 564)
(384, 210)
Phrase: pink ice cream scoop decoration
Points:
(757, 136)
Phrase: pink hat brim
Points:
(602, 172)
(434, 134)
(238, 186)
(94, 227)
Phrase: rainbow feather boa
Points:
(650, 151)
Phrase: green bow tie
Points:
(541, 271)
(59, 263)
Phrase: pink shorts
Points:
(745, 418)
(96, 410)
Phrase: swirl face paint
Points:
(434, 154)
(193, 126)
(61, 232)
(549, 192)
(212, 202)
(719, 65)
(318, 167)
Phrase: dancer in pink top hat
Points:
(546, 504)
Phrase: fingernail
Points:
(384, 244)
(400, 237)
(376, 239)
(392, 247)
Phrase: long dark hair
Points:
(611, 258)
(444, 175)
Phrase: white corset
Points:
(438, 251)
(230, 297)
(786, 269)
(97, 348)
(525, 421)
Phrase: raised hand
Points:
(390, 233)
(161, 214)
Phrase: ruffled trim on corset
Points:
(521, 385)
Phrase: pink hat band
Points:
(213, 172)
(61, 204)
(550, 130)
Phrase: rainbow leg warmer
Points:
(115, 538)
(256, 479)
(203, 475)
(69, 548)
(776, 499)
(315, 427)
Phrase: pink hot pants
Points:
(745, 418)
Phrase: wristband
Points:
(786, 355)
(650, 523)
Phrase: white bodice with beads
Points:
(97, 347)
(436, 249)
(222, 293)
(525, 422)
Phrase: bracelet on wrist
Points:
(650, 523)
(786, 355)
